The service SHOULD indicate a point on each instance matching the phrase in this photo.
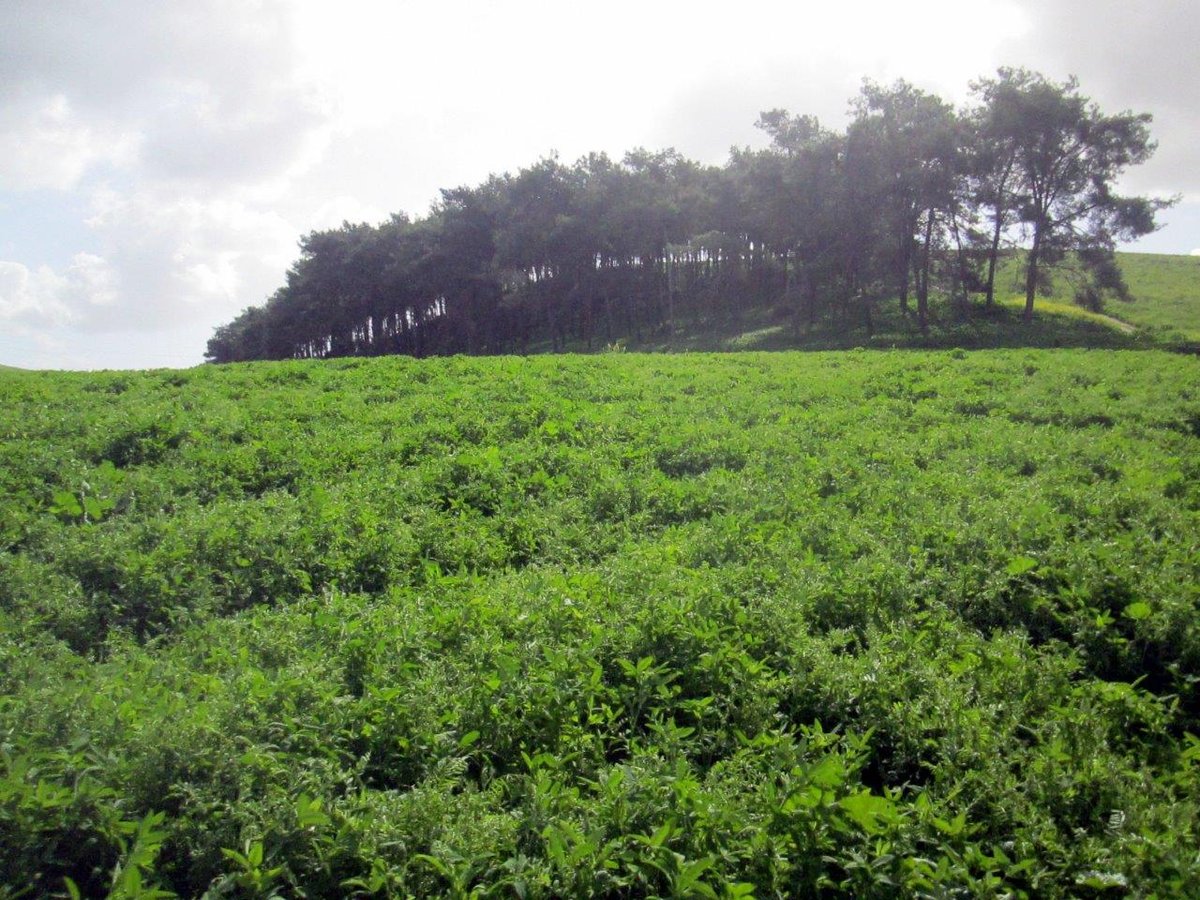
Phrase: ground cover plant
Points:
(865, 624)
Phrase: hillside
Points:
(1166, 293)
(874, 624)
(1163, 311)
(1163, 303)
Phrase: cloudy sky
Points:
(159, 160)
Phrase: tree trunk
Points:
(994, 253)
(993, 256)
(670, 298)
(958, 288)
(1031, 271)
(923, 282)
(811, 300)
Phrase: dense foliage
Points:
(917, 624)
(913, 203)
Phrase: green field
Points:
(865, 624)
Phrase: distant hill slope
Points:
(1166, 292)
(1164, 312)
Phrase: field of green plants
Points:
(757, 625)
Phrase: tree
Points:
(1068, 156)
(993, 152)
(796, 185)
(907, 144)
(822, 224)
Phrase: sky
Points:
(159, 162)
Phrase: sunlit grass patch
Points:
(1047, 306)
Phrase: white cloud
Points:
(182, 128)
(186, 258)
(164, 261)
(42, 296)
(44, 144)
(96, 282)
(32, 294)
(204, 93)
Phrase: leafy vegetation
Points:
(873, 624)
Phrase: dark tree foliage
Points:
(1062, 156)
(913, 199)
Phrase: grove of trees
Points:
(914, 200)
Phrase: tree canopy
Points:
(913, 198)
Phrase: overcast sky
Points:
(160, 160)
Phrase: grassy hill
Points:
(1164, 312)
(1164, 304)
(872, 624)
(1166, 293)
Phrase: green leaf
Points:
(93, 508)
(67, 503)
(1139, 610)
(236, 857)
(309, 813)
(952, 827)
(688, 883)
(660, 836)
(1100, 881)
(869, 811)
(808, 798)
(740, 890)
(829, 773)
(1019, 565)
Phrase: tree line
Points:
(913, 201)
